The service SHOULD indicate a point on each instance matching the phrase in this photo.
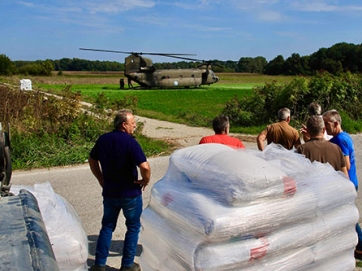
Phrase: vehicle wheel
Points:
(8, 166)
(5, 157)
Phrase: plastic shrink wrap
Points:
(65, 230)
(218, 208)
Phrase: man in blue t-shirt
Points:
(333, 123)
(113, 161)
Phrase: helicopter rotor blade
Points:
(107, 51)
(167, 54)
(209, 63)
(185, 58)
(135, 53)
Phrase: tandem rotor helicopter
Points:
(142, 71)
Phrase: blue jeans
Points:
(359, 233)
(132, 210)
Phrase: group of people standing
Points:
(325, 142)
(116, 155)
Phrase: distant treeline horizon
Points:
(339, 58)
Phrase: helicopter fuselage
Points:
(141, 70)
(173, 78)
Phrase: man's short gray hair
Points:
(283, 113)
(315, 125)
(314, 109)
(333, 116)
(121, 117)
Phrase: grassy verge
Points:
(49, 151)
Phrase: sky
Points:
(210, 29)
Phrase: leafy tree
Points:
(6, 66)
(47, 67)
(39, 68)
(275, 66)
(252, 65)
(295, 65)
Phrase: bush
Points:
(48, 131)
(332, 92)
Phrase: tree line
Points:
(337, 59)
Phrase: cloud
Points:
(23, 3)
(324, 6)
(109, 6)
(87, 6)
(248, 5)
(84, 13)
(152, 20)
(271, 16)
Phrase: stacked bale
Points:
(218, 208)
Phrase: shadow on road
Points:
(116, 250)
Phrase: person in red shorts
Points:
(221, 126)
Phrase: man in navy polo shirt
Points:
(113, 161)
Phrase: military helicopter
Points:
(142, 71)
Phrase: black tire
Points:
(8, 166)
(5, 159)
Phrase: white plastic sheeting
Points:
(65, 230)
(218, 208)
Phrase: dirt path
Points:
(182, 135)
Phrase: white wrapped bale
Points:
(165, 246)
(65, 230)
(341, 262)
(168, 248)
(235, 176)
(189, 226)
(317, 235)
(181, 246)
(196, 208)
(198, 211)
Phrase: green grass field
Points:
(196, 106)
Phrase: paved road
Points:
(80, 188)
